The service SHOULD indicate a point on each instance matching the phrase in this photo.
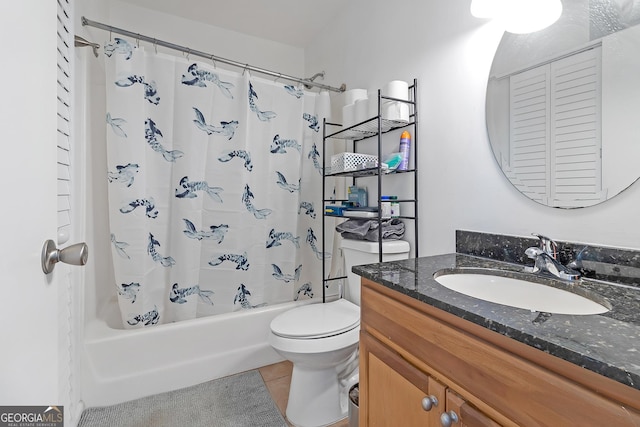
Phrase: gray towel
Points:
(367, 229)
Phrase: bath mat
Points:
(240, 400)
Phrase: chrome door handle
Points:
(75, 254)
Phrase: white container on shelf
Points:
(348, 162)
(395, 209)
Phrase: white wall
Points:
(195, 35)
(461, 186)
(620, 107)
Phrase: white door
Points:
(30, 307)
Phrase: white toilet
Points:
(321, 340)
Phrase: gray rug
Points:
(240, 400)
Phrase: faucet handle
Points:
(547, 245)
(533, 252)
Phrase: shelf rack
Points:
(374, 127)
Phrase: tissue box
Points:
(347, 162)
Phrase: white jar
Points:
(395, 209)
(389, 205)
(385, 209)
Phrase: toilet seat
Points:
(317, 320)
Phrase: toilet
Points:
(321, 340)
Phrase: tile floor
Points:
(277, 378)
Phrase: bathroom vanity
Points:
(432, 356)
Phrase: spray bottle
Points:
(405, 148)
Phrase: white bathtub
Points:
(121, 365)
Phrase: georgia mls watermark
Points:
(31, 416)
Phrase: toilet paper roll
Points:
(372, 104)
(323, 105)
(372, 107)
(351, 96)
(396, 111)
(362, 112)
(397, 89)
(348, 115)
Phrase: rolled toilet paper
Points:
(323, 104)
(397, 89)
(362, 110)
(396, 111)
(351, 96)
(348, 115)
(372, 104)
(372, 107)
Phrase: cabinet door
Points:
(465, 414)
(394, 392)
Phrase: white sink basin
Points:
(519, 293)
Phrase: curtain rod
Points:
(307, 82)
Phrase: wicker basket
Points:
(347, 162)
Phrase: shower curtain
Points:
(214, 188)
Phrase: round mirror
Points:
(563, 105)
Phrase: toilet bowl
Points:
(321, 340)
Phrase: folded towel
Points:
(367, 229)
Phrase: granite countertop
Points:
(608, 344)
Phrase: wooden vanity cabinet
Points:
(399, 394)
(413, 355)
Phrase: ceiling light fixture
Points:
(519, 16)
(485, 8)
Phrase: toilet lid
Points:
(317, 320)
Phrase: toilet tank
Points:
(358, 252)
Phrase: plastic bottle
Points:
(405, 148)
(395, 207)
(385, 203)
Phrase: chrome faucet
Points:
(545, 260)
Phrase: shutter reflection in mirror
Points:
(529, 130)
(576, 135)
(558, 162)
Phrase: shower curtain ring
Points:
(213, 62)
(188, 53)
(155, 45)
(278, 78)
(245, 68)
(138, 41)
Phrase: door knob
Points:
(75, 254)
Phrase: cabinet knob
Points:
(449, 418)
(429, 402)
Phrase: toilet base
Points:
(314, 397)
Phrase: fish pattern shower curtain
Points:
(214, 187)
